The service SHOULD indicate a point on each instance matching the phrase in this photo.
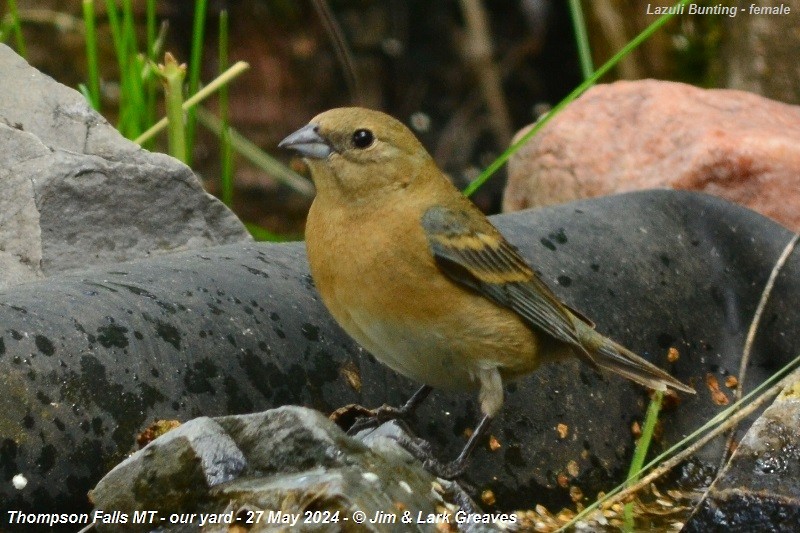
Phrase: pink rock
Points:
(628, 136)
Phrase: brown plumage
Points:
(415, 273)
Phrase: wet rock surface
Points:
(759, 485)
(89, 359)
(286, 467)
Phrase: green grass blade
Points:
(263, 234)
(226, 153)
(120, 50)
(93, 68)
(128, 28)
(84, 90)
(651, 418)
(199, 96)
(599, 73)
(133, 72)
(151, 86)
(151, 25)
(16, 27)
(581, 38)
(138, 97)
(172, 75)
(195, 67)
(640, 453)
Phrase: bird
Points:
(414, 272)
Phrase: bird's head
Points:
(356, 153)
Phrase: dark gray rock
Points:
(172, 472)
(87, 360)
(289, 463)
(76, 193)
(759, 488)
(654, 270)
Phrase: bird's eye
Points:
(362, 138)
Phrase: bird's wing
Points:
(471, 252)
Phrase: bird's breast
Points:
(381, 284)
(382, 287)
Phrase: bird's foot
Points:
(422, 451)
(354, 418)
(452, 470)
(376, 417)
(419, 448)
(362, 423)
(349, 415)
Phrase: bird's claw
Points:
(362, 423)
(376, 417)
(421, 450)
(384, 413)
(451, 470)
(372, 418)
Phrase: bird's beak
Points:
(308, 142)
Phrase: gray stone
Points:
(272, 441)
(172, 471)
(20, 236)
(89, 359)
(289, 463)
(760, 486)
(76, 193)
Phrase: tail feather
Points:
(615, 358)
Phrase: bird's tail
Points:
(609, 355)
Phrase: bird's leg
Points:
(385, 412)
(407, 408)
(454, 468)
(491, 399)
